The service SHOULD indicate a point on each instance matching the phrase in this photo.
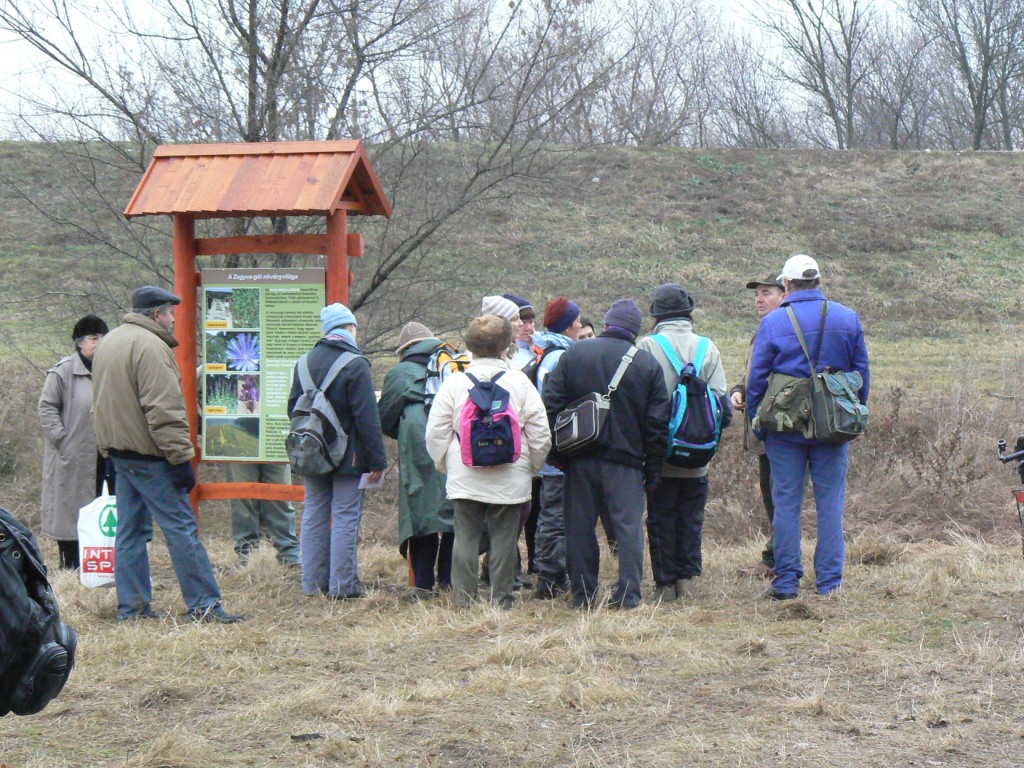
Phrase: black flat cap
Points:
(151, 297)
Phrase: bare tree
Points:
(896, 104)
(981, 42)
(829, 59)
(407, 76)
(753, 110)
(660, 94)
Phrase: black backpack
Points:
(37, 650)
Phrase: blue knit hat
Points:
(519, 301)
(336, 315)
(624, 314)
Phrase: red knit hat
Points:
(560, 314)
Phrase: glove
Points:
(183, 476)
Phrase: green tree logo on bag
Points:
(108, 521)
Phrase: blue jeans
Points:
(251, 519)
(146, 491)
(549, 554)
(329, 535)
(791, 459)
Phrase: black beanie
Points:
(89, 325)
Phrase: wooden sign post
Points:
(301, 178)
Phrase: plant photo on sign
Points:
(238, 437)
(245, 308)
(221, 393)
(235, 351)
(218, 308)
(248, 393)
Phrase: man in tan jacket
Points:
(141, 424)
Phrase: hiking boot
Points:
(773, 594)
(145, 613)
(417, 594)
(549, 590)
(215, 614)
(759, 571)
(664, 593)
(686, 587)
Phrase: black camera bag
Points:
(37, 650)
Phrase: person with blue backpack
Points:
(488, 433)
(696, 384)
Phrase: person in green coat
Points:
(425, 515)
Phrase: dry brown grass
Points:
(917, 660)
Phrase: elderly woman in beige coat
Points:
(491, 495)
(72, 467)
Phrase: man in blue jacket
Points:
(777, 349)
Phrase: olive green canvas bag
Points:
(786, 405)
(837, 414)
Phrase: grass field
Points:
(917, 662)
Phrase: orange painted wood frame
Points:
(337, 245)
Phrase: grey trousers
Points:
(502, 521)
(549, 554)
(593, 486)
(252, 519)
(330, 535)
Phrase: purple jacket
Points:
(777, 348)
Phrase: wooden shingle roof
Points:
(293, 178)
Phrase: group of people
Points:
(452, 511)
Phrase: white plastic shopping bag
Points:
(97, 530)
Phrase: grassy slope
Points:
(916, 662)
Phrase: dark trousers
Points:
(424, 553)
(592, 487)
(675, 517)
(530, 527)
(68, 549)
(764, 471)
(549, 556)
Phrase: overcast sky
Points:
(22, 69)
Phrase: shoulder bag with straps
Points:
(309, 452)
(837, 414)
(579, 429)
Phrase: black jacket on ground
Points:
(354, 400)
(638, 419)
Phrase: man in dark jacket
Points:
(333, 505)
(777, 349)
(612, 478)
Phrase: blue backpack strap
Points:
(670, 353)
(676, 415)
(702, 351)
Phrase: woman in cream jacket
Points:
(487, 495)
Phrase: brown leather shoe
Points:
(759, 571)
